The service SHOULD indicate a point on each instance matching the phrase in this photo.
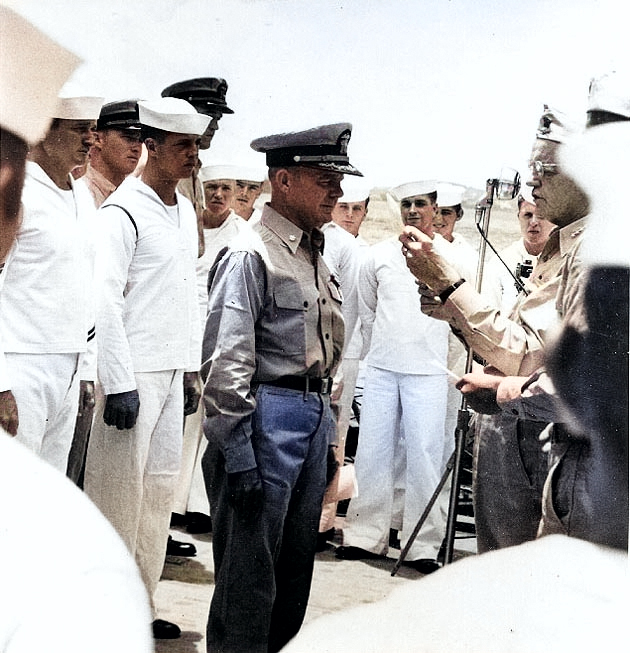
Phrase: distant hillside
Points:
(383, 220)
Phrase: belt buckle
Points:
(326, 386)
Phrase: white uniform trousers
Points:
(130, 474)
(416, 405)
(46, 389)
(190, 489)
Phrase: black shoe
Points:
(163, 629)
(394, 540)
(182, 549)
(198, 523)
(342, 507)
(424, 565)
(355, 553)
(324, 538)
(177, 520)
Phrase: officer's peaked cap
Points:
(204, 93)
(324, 147)
(120, 115)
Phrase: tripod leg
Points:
(424, 515)
(463, 419)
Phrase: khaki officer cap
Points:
(33, 68)
(610, 93)
(555, 126)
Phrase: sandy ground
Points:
(184, 593)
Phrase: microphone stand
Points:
(504, 190)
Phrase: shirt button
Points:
(305, 304)
(327, 336)
(323, 301)
(514, 411)
(292, 238)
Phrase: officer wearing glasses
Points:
(510, 468)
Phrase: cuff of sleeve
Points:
(447, 292)
(240, 457)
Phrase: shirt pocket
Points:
(289, 297)
(290, 309)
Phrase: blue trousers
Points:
(263, 570)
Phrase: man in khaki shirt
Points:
(272, 343)
(510, 466)
(114, 155)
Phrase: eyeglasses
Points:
(539, 168)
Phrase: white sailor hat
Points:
(212, 173)
(238, 173)
(354, 190)
(413, 188)
(324, 147)
(611, 93)
(33, 68)
(449, 194)
(555, 126)
(78, 108)
(256, 175)
(171, 114)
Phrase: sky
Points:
(435, 89)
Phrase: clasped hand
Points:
(425, 264)
(480, 390)
(245, 494)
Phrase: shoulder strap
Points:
(124, 210)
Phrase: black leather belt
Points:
(303, 384)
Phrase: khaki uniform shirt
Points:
(99, 186)
(514, 344)
(274, 309)
(192, 189)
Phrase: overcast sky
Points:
(434, 88)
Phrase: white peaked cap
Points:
(355, 189)
(33, 68)
(449, 194)
(610, 92)
(172, 114)
(78, 108)
(413, 188)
